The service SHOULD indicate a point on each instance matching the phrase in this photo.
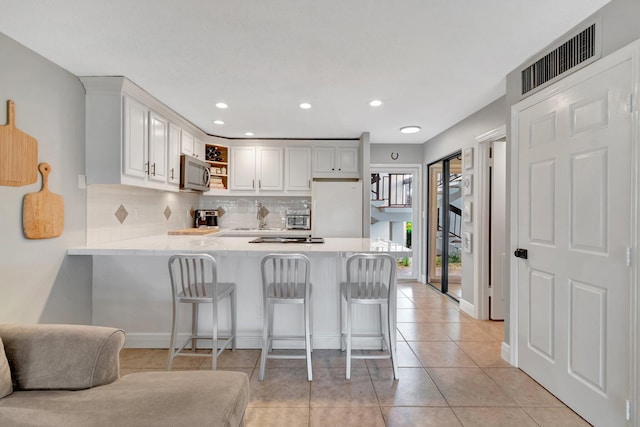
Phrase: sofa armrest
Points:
(61, 357)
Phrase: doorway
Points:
(395, 212)
(444, 260)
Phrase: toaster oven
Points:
(298, 219)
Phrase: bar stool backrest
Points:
(374, 276)
(191, 274)
(284, 274)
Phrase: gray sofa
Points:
(68, 375)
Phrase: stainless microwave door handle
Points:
(207, 176)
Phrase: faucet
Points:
(261, 216)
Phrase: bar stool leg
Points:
(234, 316)
(214, 336)
(194, 326)
(348, 327)
(307, 338)
(265, 341)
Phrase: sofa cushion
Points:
(69, 357)
(5, 374)
(174, 398)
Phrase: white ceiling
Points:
(432, 62)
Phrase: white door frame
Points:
(632, 53)
(416, 204)
(481, 226)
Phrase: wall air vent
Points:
(578, 51)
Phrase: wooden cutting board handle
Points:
(11, 114)
(45, 170)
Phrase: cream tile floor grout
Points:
(451, 374)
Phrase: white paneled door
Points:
(574, 220)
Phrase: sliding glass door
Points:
(444, 264)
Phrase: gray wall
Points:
(457, 138)
(620, 21)
(38, 282)
(407, 154)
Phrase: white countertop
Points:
(164, 245)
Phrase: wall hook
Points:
(394, 156)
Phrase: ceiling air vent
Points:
(580, 50)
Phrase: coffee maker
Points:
(205, 218)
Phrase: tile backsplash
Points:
(120, 212)
(243, 211)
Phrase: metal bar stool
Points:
(285, 280)
(371, 280)
(194, 281)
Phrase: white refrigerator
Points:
(336, 208)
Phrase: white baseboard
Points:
(468, 308)
(505, 352)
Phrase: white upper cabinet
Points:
(158, 145)
(242, 168)
(135, 138)
(339, 161)
(187, 144)
(145, 142)
(199, 149)
(256, 168)
(297, 169)
(173, 159)
(132, 138)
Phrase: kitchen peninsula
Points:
(131, 288)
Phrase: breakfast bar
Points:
(132, 291)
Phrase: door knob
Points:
(521, 253)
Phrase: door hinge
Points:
(490, 291)
(628, 414)
(628, 257)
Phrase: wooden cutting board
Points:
(18, 153)
(195, 231)
(43, 212)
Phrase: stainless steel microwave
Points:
(194, 174)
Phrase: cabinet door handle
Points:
(259, 184)
(253, 183)
(153, 171)
(309, 185)
(172, 174)
(146, 168)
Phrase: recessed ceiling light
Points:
(218, 122)
(222, 105)
(249, 134)
(375, 103)
(305, 105)
(410, 129)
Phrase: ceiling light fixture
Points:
(410, 129)
(221, 105)
(249, 134)
(218, 122)
(305, 105)
(375, 103)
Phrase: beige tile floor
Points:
(451, 374)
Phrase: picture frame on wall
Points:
(467, 185)
(467, 158)
(467, 241)
(466, 211)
